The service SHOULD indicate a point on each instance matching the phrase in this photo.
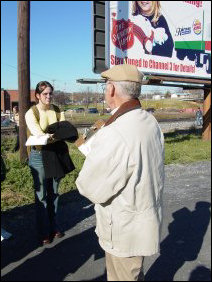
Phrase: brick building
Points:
(9, 99)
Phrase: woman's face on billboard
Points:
(146, 6)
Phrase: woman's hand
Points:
(51, 139)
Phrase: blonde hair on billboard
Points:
(155, 11)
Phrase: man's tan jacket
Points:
(124, 176)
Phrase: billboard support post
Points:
(206, 135)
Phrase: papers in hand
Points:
(86, 147)
(37, 140)
(84, 142)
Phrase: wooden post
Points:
(23, 72)
(206, 135)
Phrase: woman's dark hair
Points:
(15, 108)
(40, 87)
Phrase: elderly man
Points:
(123, 175)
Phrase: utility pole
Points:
(23, 72)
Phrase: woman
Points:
(38, 118)
(151, 11)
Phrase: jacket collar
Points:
(123, 109)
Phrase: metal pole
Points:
(206, 135)
(23, 71)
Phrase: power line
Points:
(41, 75)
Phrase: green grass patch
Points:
(169, 104)
(83, 118)
(17, 189)
(186, 148)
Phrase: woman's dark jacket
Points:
(56, 158)
(165, 49)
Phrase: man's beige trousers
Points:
(124, 269)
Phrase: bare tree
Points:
(87, 99)
(168, 94)
(61, 98)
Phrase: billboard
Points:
(171, 38)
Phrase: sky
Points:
(60, 44)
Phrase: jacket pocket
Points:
(138, 231)
(103, 223)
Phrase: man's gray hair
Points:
(128, 88)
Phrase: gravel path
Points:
(177, 125)
(169, 126)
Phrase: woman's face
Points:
(45, 97)
(146, 6)
(15, 110)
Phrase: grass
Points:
(17, 189)
(169, 104)
(81, 118)
(186, 148)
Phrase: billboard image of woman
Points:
(162, 40)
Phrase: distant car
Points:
(6, 122)
(77, 110)
(151, 110)
(68, 110)
(105, 111)
(93, 111)
(80, 110)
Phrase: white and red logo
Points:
(197, 27)
(122, 34)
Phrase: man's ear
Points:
(111, 89)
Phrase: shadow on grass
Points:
(182, 135)
(21, 223)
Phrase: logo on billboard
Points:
(197, 27)
(122, 34)
(183, 31)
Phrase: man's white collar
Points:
(114, 110)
